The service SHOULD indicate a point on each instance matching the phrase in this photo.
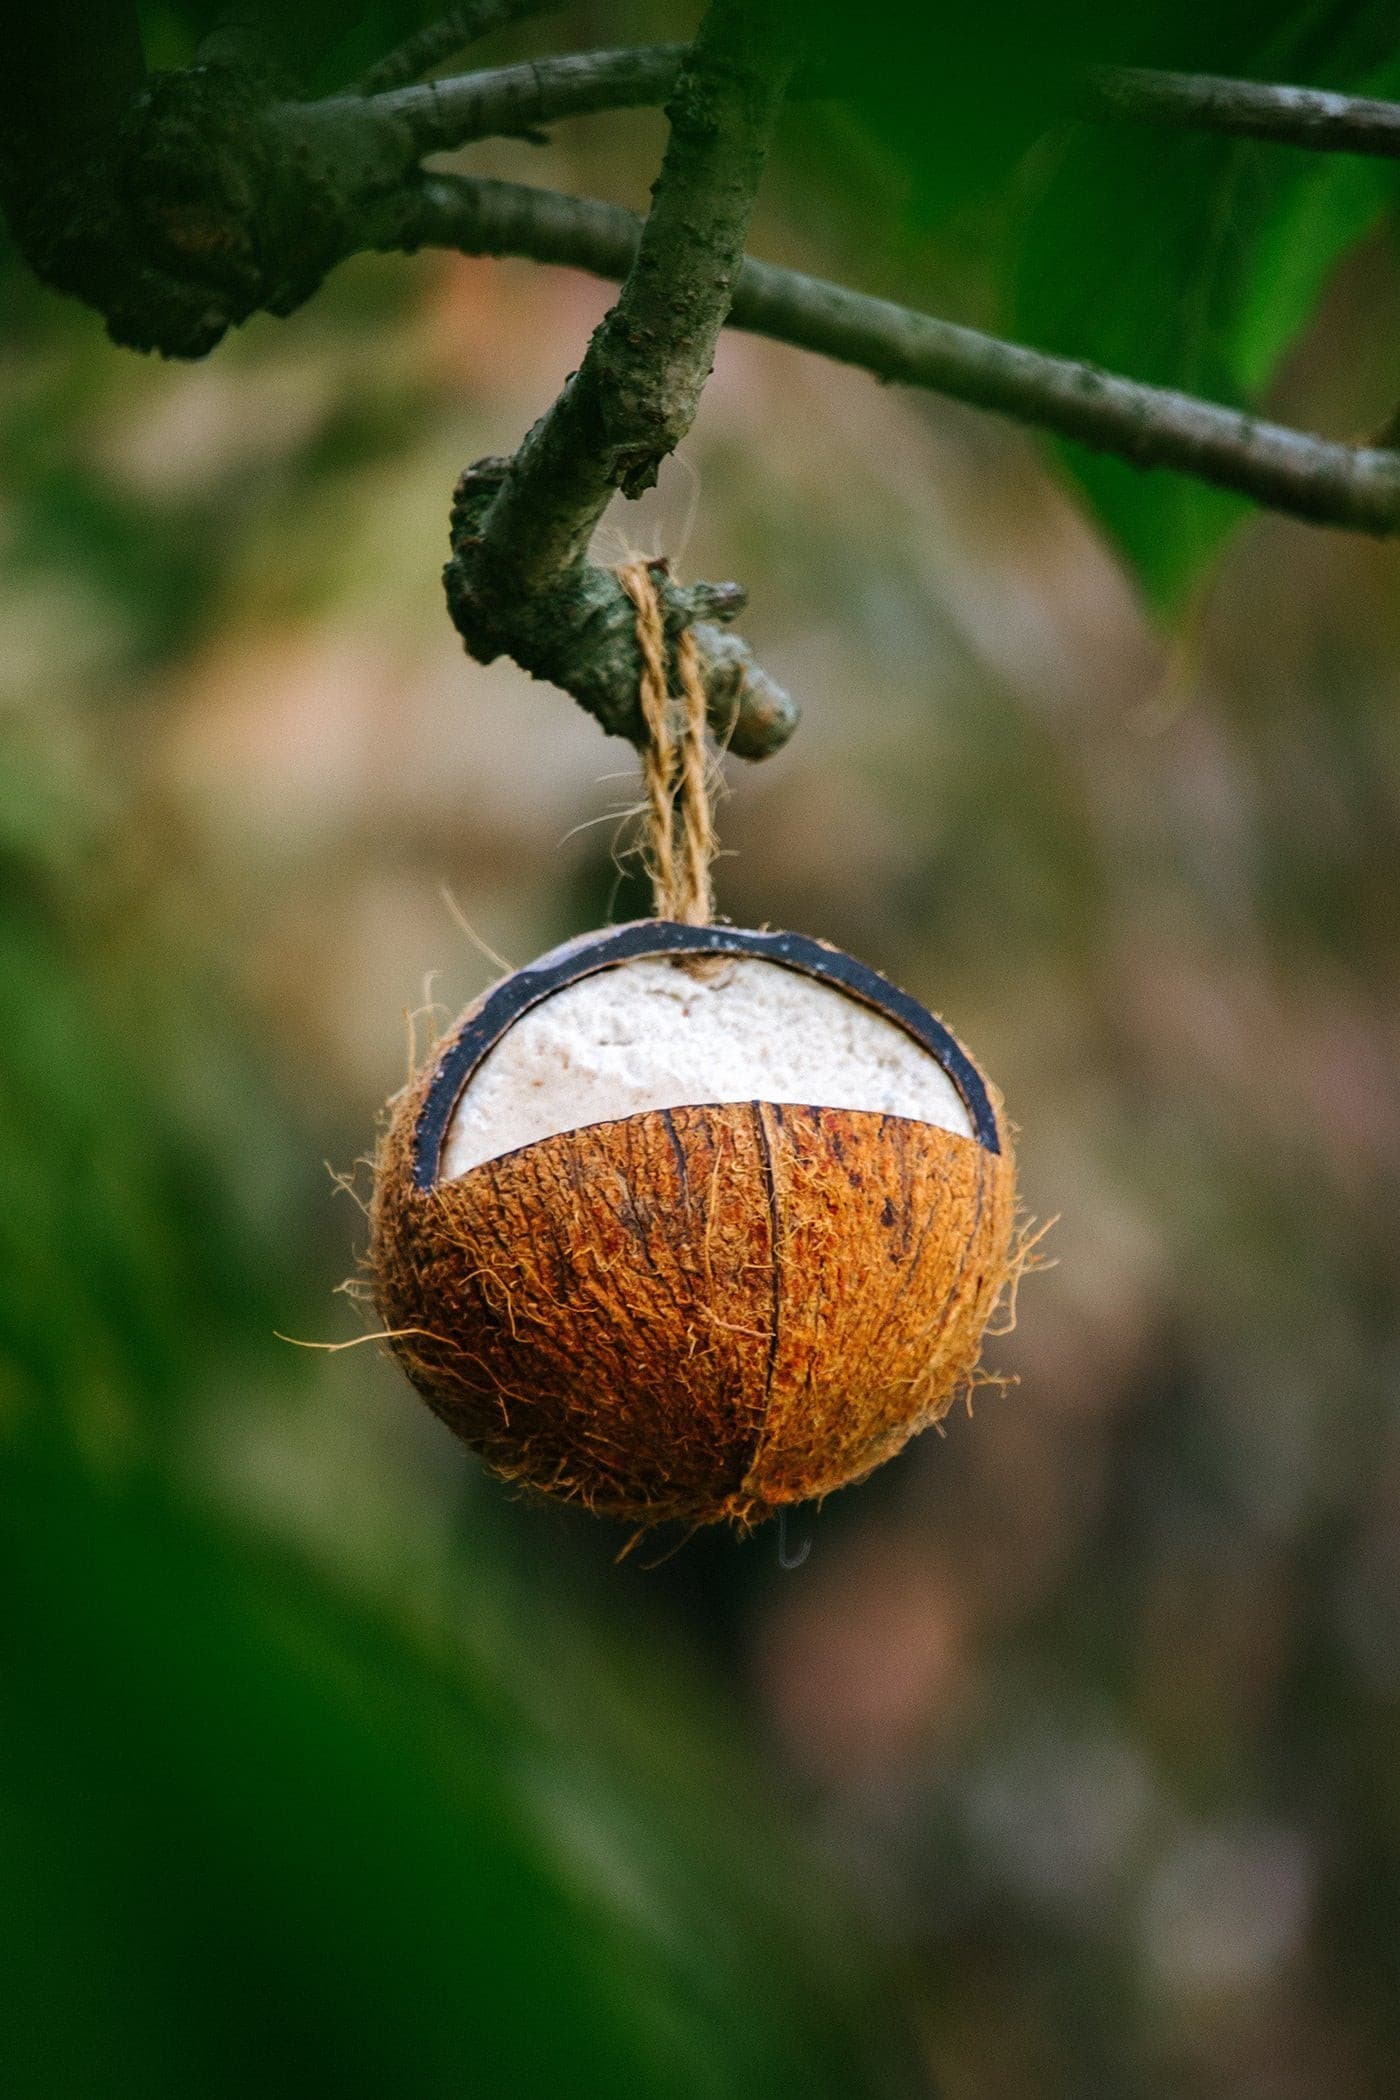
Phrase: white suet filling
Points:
(648, 1035)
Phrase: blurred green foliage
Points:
(257, 1839)
(1190, 262)
(1196, 263)
(255, 1835)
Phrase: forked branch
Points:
(179, 204)
(520, 582)
(1287, 470)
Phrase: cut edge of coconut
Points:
(484, 1026)
(651, 1035)
(642, 1115)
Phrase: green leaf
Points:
(1186, 261)
(1196, 263)
(1334, 203)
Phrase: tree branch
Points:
(1312, 118)
(452, 32)
(1289, 470)
(181, 203)
(519, 582)
(445, 114)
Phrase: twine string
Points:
(681, 842)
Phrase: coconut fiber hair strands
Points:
(699, 1313)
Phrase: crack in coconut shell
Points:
(696, 1312)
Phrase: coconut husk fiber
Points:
(693, 1313)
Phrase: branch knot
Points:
(579, 631)
(205, 200)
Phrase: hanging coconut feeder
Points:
(692, 1222)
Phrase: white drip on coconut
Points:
(649, 1035)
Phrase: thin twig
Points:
(444, 114)
(520, 582)
(482, 105)
(1288, 116)
(1289, 470)
(450, 33)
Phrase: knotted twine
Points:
(681, 842)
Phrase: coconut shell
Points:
(691, 1313)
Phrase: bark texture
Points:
(519, 582)
(1292, 471)
(1316, 119)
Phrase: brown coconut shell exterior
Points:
(694, 1313)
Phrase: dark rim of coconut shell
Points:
(502, 1008)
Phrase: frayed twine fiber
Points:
(681, 841)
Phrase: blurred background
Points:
(1068, 1762)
